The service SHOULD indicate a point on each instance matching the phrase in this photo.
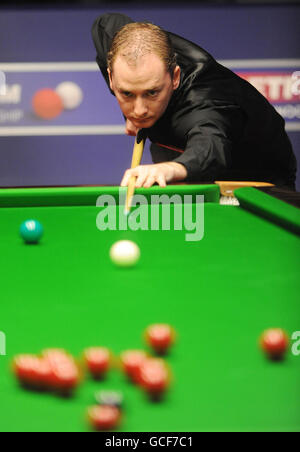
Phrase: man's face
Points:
(143, 90)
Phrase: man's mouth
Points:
(141, 120)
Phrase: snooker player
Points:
(204, 122)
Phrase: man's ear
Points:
(110, 79)
(176, 77)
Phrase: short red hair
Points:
(140, 38)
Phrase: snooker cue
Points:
(136, 160)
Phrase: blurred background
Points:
(46, 52)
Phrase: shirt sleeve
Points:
(103, 31)
(209, 147)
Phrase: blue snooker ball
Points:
(31, 231)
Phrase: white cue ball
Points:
(124, 253)
(71, 95)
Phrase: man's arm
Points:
(208, 150)
(210, 141)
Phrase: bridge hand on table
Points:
(160, 173)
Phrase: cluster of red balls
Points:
(57, 371)
(54, 370)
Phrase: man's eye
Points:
(152, 93)
(126, 94)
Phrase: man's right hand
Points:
(130, 129)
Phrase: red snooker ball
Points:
(160, 337)
(104, 417)
(131, 361)
(97, 361)
(274, 342)
(154, 377)
(25, 368)
(64, 375)
(47, 104)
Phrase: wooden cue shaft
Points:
(136, 160)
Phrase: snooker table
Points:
(219, 293)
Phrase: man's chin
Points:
(145, 124)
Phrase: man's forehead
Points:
(147, 74)
(136, 58)
(147, 64)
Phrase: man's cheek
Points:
(123, 107)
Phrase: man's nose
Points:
(140, 108)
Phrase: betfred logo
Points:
(282, 89)
(277, 87)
